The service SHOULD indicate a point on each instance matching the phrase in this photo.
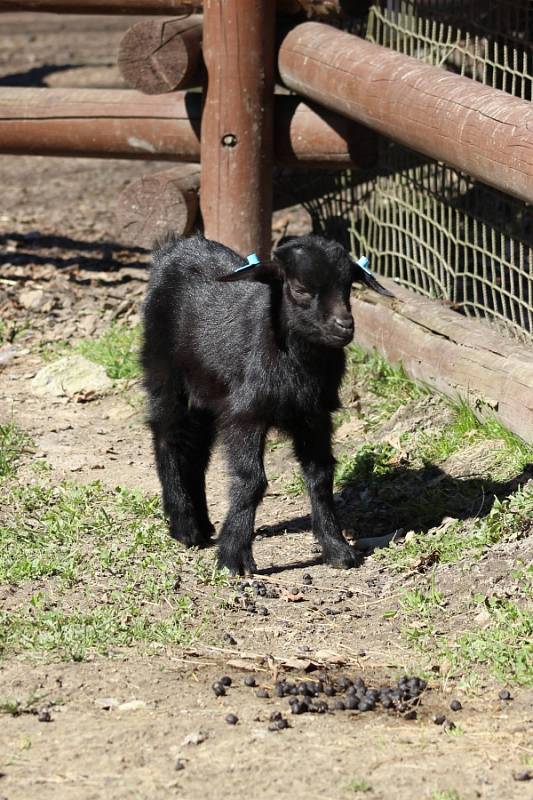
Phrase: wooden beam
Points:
(151, 206)
(121, 123)
(482, 131)
(309, 136)
(313, 8)
(461, 357)
(236, 147)
(162, 55)
(132, 7)
(110, 123)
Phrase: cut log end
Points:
(153, 206)
(162, 55)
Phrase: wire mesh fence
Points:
(432, 228)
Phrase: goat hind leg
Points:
(179, 463)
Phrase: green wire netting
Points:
(433, 229)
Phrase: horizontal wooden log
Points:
(313, 8)
(461, 357)
(482, 131)
(123, 123)
(154, 204)
(113, 123)
(162, 55)
(307, 135)
(131, 7)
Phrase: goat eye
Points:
(300, 291)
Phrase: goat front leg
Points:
(244, 452)
(312, 446)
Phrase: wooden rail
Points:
(123, 123)
(482, 131)
(318, 8)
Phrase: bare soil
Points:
(56, 231)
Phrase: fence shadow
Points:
(101, 254)
(412, 499)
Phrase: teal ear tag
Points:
(363, 263)
(251, 262)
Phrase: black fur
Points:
(235, 354)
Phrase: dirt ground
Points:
(143, 722)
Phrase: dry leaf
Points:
(289, 597)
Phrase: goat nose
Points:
(345, 322)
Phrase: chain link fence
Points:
(433, 229)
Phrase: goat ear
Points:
(361, 274)
(264, 272)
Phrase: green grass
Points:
(450, 794)
(10, 333)
(504, 648)
(467, 429)
(16, 707)
(358, 785)
(109, 566)
(13, 443)
(368, 461)
(117, 350)
(508, 520)
(296, 485)
(422, 601)
(389, 384)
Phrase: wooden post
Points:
(482, 131)
(236, 146)
(151, 206)
(461, 357)
(162, 55)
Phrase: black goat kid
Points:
(236, 359)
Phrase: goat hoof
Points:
(187, 534)
(237, 564)
(342, 557)
(205, 538)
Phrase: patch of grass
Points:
(296, 485)
(112, 572)
(369, 460)
(508, 520)
(358, 785)
(16, 707)
(422, 601)
(10, 332)
(13, 443)
(207, 572)
(449, 794)
(504, 648)
(467, 428)
(117, 350)
(388, 383)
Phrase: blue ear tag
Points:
(363, 263)
(251, 262)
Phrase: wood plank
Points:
(461, 357)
